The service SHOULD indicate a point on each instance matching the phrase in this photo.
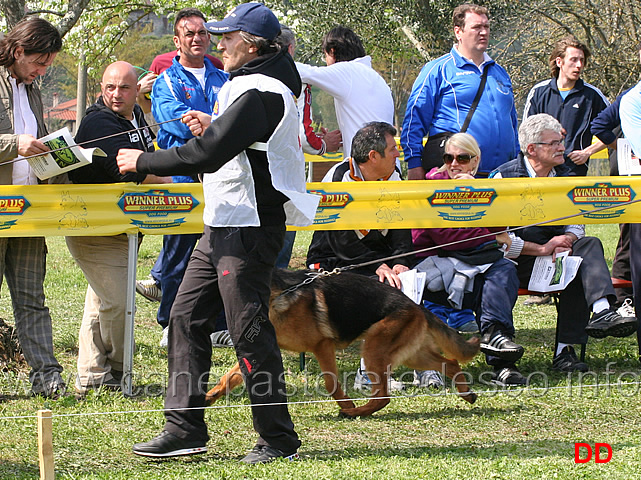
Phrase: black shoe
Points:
(266, 454)
(53, 392)
(609, 323)
(508, 377)
(538, 300)
(169, 445)
(500, 345)
(567, 361)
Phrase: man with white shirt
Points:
(444, 93)
(586, 306)
(360, 93)
(25, 53)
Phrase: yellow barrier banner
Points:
(469, 203)
(100, 210)
(111, 209)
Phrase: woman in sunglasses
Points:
(490, 281)
(460, 161)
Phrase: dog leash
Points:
(311, 276)
(68, 147)
(326, 273)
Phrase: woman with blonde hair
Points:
(461, 158)
(491, 291)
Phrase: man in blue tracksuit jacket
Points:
(571, 101)
(176, 91)
(444, 92)
(192, 82)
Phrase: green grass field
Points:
(506, 434)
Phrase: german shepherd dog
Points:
(333, 311)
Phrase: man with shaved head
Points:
(103, 260)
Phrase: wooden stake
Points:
(45, 444)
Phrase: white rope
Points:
(513, 391)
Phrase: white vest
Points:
(230, 196)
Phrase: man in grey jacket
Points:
(25, 53)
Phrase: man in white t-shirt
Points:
(25, 53)
(360, 93)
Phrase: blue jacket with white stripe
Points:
(441, 98)
(176, 91)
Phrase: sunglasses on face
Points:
(461, 159)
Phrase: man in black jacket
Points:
(373, 158)
(253, 183)
(103, 260)
(571, 101)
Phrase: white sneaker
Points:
(221, 339)
(428, 379)
(627, 309)
(362, 382)
(149, 289)
(165, 338)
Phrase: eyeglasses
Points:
(555, 143)
(462, 159)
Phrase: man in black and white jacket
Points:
(253, 182)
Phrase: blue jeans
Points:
(492, 298)
(169, 269)
(285, 254)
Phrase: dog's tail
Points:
(450, 341)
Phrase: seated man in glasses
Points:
(591, 291)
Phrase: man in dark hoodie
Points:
(253, 183)
(103, 260)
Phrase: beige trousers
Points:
(103, 260)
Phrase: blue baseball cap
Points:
(254, 18)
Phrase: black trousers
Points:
(230, 268)
(592, 282)
(621, 263)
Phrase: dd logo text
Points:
(583, 452)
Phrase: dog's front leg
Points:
(325, 353)
(453, 370)
(380, 396)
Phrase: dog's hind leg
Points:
(227, 383)
(325, 353)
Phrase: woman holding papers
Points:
(473, 273)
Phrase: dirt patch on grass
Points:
(11, 357)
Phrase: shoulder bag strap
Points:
(475, 103)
